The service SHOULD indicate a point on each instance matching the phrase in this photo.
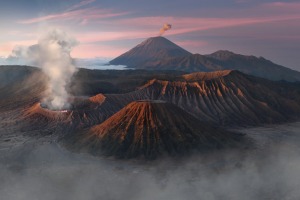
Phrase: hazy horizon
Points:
(88, 63)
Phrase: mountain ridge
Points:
(159, 53)
(256, 66)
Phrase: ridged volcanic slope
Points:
(228, 97)
(151, 128)
(222, 97)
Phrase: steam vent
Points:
(149, 129)
(63, 109)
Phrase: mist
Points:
(48, 171)
(97, 63)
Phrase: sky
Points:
(107, 28)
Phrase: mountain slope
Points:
(158, 53)
(152, 49)
(225, 60)
(149, 129)
(229, 97)
(222, 97)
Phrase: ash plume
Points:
(164, 29)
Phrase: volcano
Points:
(152, 49)
(150, 128)
(159, 53)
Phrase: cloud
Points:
(97, 63)
(50, 172)
(75, 15)
(7, 47)
(97, 50)
(192, 24)
(283, 5)
(92, 37)
(21, 55)
(80, 4)
(191, 43)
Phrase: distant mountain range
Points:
(159, 53)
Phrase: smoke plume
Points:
(54, 58)
(52, 55)
(164, 29)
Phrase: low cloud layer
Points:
(98, 63)
(50, 172)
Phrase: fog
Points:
(46, 171)
(97, 63)
(19, 54)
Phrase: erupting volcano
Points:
(153, 49)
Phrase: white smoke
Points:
(52, 55)
(54, 58)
